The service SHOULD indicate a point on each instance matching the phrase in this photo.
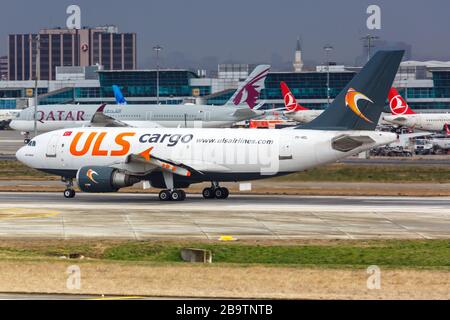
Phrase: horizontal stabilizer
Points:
(347, 143)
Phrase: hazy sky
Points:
(209, 31)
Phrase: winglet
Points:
(101, 108)
(120, 99)
(146, 154)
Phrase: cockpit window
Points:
(32, 143)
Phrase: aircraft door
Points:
(149, 116)
(286, 152)
(52, 147)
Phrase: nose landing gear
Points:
(26, 137)
(69, 193)
(216, 192)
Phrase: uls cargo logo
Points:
(95, 146)
(351, 100)
(90, 174)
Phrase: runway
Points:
(142, 216)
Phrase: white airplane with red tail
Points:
(294, 110)
(403, 115)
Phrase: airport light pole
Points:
(36, 77)
(157, 48)
(369, 44)
(328, 50)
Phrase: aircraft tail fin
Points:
(290, 102)
(249, 92)
(360, 104)
(397, 104)
(120, 99)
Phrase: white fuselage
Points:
(422, 121)
(234, 154)
(55, 117)
(304, 116)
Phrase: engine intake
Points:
(97, 179)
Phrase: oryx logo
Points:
(90, 174)
(251, 90)
(398, 105)
(351, 100)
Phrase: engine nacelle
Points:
(98, 179)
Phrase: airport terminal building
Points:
(80, 67)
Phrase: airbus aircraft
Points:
(403, 115)
(108, 159)
(295, 111)
(240, 107)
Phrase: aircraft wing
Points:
(102, 120)
(247, 113)
(153, 162)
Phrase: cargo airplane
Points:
(242, 106)
(108, 159)
(402, 115)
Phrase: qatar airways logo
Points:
(249, 94)
(60, 116)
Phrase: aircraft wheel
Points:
(226, 193)
(165, 195)
(208, 193)
(221, 193)
(69, 193)
(178, 195)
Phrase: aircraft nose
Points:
(20, 154)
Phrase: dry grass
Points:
(145, 279)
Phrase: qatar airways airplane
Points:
(108, 159)
(242, 106)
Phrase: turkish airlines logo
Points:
(289, 101)
(398, 105)
(90, 174)
(351, 101)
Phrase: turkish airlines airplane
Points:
(294, 110)
(108, 159)
(403, 115)
(242, 106)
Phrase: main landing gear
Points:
(172, 195)
(69, 193)
(216, 192)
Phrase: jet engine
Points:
(98, 179)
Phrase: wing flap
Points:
(146, 157)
